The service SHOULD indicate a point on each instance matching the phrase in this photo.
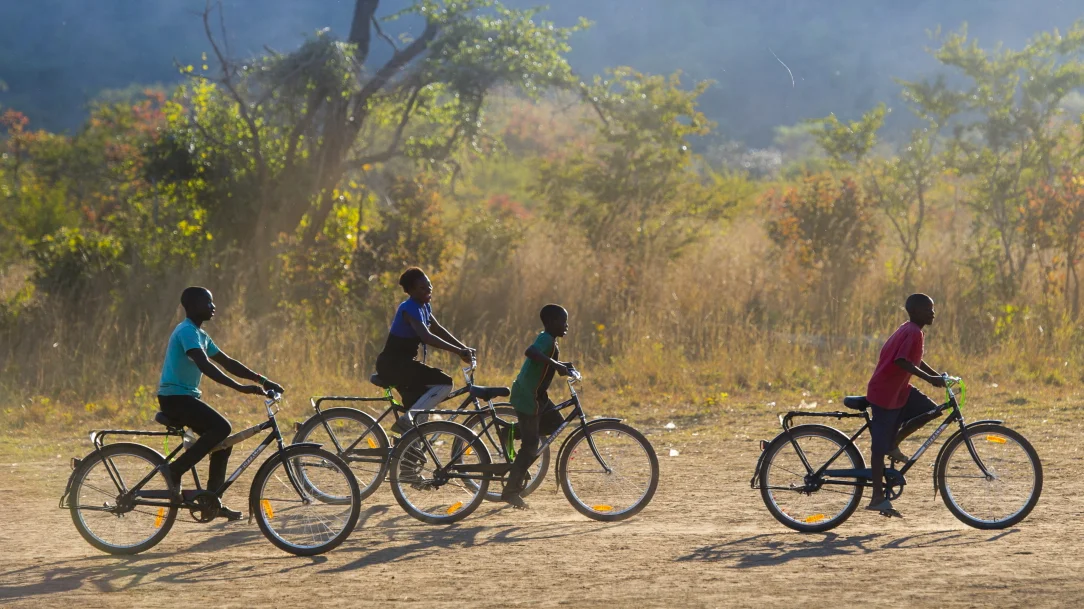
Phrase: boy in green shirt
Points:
(529, 396)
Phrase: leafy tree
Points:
(638, 188)
(1055, 221)
(825, 231)
(1005, 132)
(265, 145)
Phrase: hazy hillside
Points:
(55, 55)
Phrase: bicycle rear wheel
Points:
(421, 485)
(290, 515)
(350, 425)
(616, 488)
(1004, 498)
(492, 440)
(98, 508)
(793, 498)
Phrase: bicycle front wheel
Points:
(291, 515)
(492, 439)
(1005, 496)
(103, 515)
(620, 484)
(424, 478)
(790, 493)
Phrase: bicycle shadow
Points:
(408, 543)
(770, 549)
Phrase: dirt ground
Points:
(705, 540)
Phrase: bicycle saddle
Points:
(488, 393)
(167, 422)
(379, 382)
(856, 402)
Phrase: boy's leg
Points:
(915, 414)
(212, 428)
(529, 440)
(424, 388)
(882, 430)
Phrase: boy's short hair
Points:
(409, 277)
(551, 312)
(192, 295)
(915, 300)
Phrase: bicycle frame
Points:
(863, 476)
(130, 494)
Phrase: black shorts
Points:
(886, 423)
(410, 377)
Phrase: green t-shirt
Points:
(180, 375)
(534, 378)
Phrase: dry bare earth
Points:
(706, 540)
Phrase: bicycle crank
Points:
(204, 507)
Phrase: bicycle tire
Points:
(258, 506)
(542, 463)
(370, 480)
(817, 522)
(596, 512)
(454, 511)
(164, 518)
(988, 431)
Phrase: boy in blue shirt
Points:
(188, 357)
(530, 397)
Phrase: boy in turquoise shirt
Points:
(530, 397)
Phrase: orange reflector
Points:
(455, 507)
(371, 441)
(814, 518)
(266, 505)
(469, 451)
(996, 439)
(159, 518)
(602, 508)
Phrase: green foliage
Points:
(637, 188)
(74, 264)
(847, 144)
(825, 230)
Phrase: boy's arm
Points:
(533, 353)
(441, 332)
(932, 379)
(432, 340)
(199, 357)
(238, 369)
(923, 366)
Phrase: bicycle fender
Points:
(568, 442)
(941, 453)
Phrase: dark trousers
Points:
(212, 428)
(410, 377)
(529, 440)
(886, 424)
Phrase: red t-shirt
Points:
(889, 386)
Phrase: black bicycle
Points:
(812, 477)
(441, 470)
(360, 440)
(123, 501)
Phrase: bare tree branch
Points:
(360, 34)
(380, 32)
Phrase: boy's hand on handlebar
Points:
(270, 385)
(936, 381)
(564, 368)
(467, 354)
(254, 390)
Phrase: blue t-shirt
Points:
(180, 375)
(403, 341)
(401, 327)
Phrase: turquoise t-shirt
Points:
(180, 375)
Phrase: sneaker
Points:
(514, 500)
(885, 509)
(402, 425)
(229, 515)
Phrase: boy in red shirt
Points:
(892, 398)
